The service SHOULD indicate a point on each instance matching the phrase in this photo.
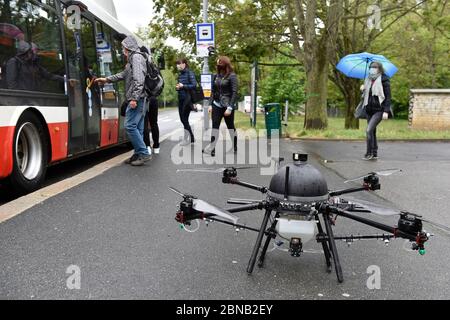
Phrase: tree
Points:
(283, 83)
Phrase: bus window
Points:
(30, 47)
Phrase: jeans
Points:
(184, 110)
(134, 124)
(151, 123)
(217, 116)
(373, 120)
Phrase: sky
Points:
(136, 13)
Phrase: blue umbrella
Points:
(357, 65)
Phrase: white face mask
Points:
(181, 66)
(373, 71)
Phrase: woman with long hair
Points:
(224, 102)
(186, 83)
(377, 101)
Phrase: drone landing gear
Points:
(333, 248)
(326, 250)
(271, 235)
(262, 231)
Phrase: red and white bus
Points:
(50, 110)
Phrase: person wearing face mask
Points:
(377, 101)
(186, 83)
(224, 97)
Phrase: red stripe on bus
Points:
(59, 137)
(109, 132)
(6, 151)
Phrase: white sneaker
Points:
(149, 150)
(156, 150)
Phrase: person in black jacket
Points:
(377, 101)
(224, 98)
(186, 83)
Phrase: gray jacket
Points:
(134, 73)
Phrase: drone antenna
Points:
(286, 186)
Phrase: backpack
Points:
(154, 81)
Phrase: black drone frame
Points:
(409, 226)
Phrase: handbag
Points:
(197, 94)
(361, 112)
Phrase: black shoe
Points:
(134, 157)
(141, 160)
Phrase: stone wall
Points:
(430, 109)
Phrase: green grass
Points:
(390, 129)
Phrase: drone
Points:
(300, 208)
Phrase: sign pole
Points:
(205, 71)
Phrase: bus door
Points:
(84, 95)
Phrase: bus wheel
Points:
(30, 154)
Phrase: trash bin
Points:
(272, 112)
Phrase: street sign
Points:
(204, 38)
(206, 81)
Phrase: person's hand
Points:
(133, 104)
(209, 109)
(228, 112)
(100, 80)
(385, 115)
(361, 88)
(179, 86)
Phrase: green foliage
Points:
(283, 83)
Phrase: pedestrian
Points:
(136, 97)
(151, 120)
(186, 83)
(224, 97)
(377, 101)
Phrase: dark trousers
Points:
(184, 110)
(217, 116)
(151, 123)
(373, 120)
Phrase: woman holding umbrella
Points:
(377, 102)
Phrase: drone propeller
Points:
(177, 192)
(213, 170)
(385, 173)
(367, 206)
(205, 207)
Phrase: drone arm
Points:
(245, 184)
(395, 231)
(346, 191)
(248, 207)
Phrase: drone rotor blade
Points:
(388, 172)
(205, 207)
(437, 225)
(214, 170)
(384, 173)
(177, 192)
(375, 208)
(205, 170)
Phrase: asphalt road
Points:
(119, 229)
(168, 121)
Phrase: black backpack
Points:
(154, 81)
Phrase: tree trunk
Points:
(316, 91)
(352, 96)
